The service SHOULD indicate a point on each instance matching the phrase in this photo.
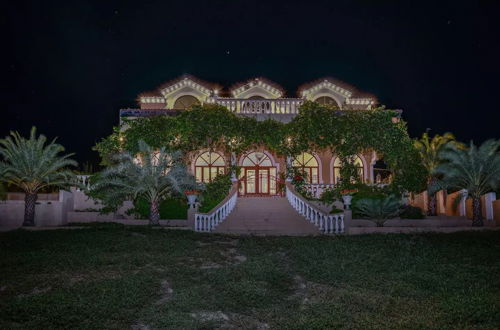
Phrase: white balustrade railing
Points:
(316, 189)
(84, 181)
(327, 223)
(267, 106)
(207, 222)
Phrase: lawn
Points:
(111, 276)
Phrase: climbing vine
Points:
(315, 128)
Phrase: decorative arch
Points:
(327, 100)
(331, 95)
(310, 164)
(252, 153)
(186, 101)
(335, 164)
(209, 164)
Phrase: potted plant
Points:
(191, 196)
(347, 197)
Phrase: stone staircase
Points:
(265, 216)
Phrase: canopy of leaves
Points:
(315, 128)
(476, 169)
(33, 164)
(154, 176)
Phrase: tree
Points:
(154, 175)
(32, 164)
(429, 150)
(475, 169)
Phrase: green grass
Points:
(111, 276)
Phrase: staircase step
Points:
(265, 216)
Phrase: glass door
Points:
(263, 181)
(251, 187)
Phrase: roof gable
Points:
(257, 87)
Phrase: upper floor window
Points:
(326, 100)
(185, 102)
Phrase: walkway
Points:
(266, 216)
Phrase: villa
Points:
(263, 99)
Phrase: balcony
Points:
(261, 106)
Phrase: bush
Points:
(378, 210)
(3, 192)
(411, 212)
(172, 208)
(215, 192)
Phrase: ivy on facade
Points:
(315, 128)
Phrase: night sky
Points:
(69, 67)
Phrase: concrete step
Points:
(266, 216)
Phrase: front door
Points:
(258, 181)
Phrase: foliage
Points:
(215, 192)
(33, 164)
(156, 176)
(336, 210)
(329, 196)
(3, 192)
(316, 127)
(411, 212)
(429, 150)
(476, 169)
(379, 210)
(170, 208)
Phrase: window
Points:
(337, 165)
(326, 100)
(208, 165)
(308, 164)
(185, 102)
(257, 159)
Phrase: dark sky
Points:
(69, 67)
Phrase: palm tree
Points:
(475, 169)
(33, 164)
(429, 152)
(154, 176)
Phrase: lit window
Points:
(308, 164)
(208, 165)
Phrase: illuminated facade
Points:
(262, 99)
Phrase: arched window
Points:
(308, 164)
(208, 165)
(185, 102)
(326, 100)
(256, 97)
(257, 159)
(337, 165)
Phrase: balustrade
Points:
(83, 181)
(265, 106)
(316, 189)
(206, 222)
(327, 223)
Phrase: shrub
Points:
(171, 208)
(378, 210)
(3, 192)
(215, 192)
(411, 212)
(335, 210)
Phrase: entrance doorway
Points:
(258, 175)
